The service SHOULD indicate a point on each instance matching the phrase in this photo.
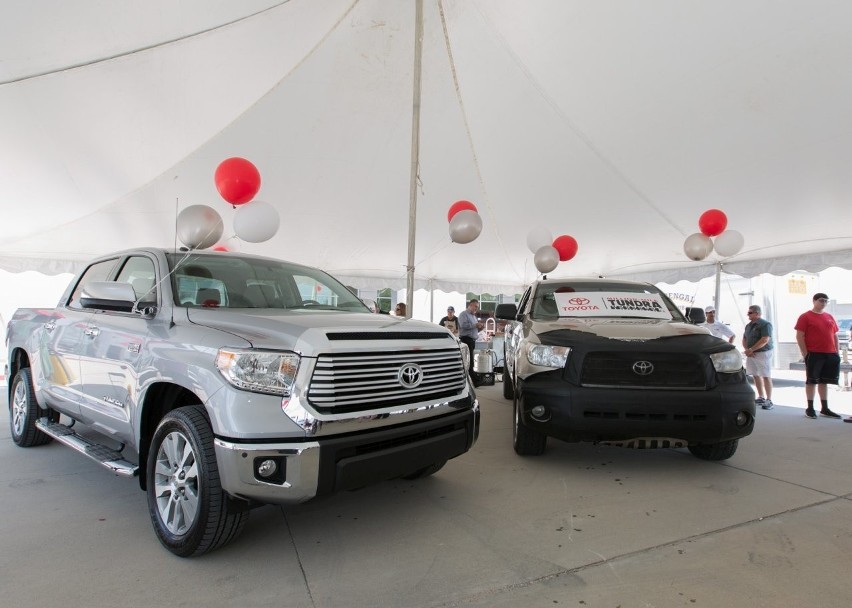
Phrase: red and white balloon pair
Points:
(238, 181)
(713, 223)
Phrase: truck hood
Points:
(620, 329)
(308, 332)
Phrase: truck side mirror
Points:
(508, 312)
(108, 295)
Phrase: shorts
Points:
(822, 368)
(760, 364)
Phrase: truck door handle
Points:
(50, 326)
(92, 332)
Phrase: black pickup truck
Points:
(616, 362)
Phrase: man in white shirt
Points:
(718, 329)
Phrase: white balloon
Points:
(465, 226)
(729, 243)
(546, 258)
(539, 237)
(256, 221)
(199, 226)
(697, 246)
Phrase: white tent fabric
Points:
(616, 122)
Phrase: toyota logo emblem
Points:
(410, 375)
(579, 301)
(643, 368)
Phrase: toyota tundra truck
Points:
(225, 381)
(616, 362)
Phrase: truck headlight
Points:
(728, 361)
(259, 371)
(548, 356)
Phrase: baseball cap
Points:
(710, 309)
(450, 309)
(820, 296)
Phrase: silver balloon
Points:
(729, 243)
(199, 226)
(546, 258)
(256, 222)
(539, 237)
(465, 226)
(697, 246)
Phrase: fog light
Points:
(267, 468)
(742, 419)
(539, 413)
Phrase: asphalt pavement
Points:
(583, 525)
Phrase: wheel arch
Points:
(18, 360)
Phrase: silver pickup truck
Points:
(225, 381)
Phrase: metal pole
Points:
(718, 289)
(415, 156)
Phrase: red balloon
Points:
(460, 206)
(237, 180)
(220, 248)
(566, 246)
(712, 222)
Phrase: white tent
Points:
(615, 122)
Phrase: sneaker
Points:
(828, 413)
(760, 401)
(767, 405)
(811, 413)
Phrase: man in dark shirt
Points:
(451, 322)
(757, 342)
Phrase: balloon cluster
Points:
(465, 222)
(547, 251)
(713, 223)
(238, 181)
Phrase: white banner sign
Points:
(611, 304)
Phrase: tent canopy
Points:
(617, 123)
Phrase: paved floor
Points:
(582, 525)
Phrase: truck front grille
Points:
(675, 371)
(355, 382)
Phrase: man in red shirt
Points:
(816, 334)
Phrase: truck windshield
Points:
(602, 299)
(229, 281)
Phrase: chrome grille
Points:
(354, 382)
(675, 371)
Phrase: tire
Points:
(426, 471)
(715, 451)
(24, 411)
(508, 387)
(190, 512)
(526, 442)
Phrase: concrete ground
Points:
(582, 525)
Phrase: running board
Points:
(101, 454)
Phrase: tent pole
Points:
(415, 155)
(718, 288)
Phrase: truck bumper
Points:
(307, 469)
(575, 413)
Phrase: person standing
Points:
(469, 326)
(816, 334)
(717, 328)
(451, 321)
(400, 311)
(757, 342)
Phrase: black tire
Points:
(191, 514)
(715, 451)
(24, 411)
(508, 387)
(526, 442)
(426, 471)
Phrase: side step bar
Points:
(99, 453)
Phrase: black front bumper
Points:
(576, 413)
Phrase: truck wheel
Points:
(24, 411)
(526, 442)
(426, 471)
(190, 512)
(715, 451)
(508, 387)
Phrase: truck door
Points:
(110, 354)
(57, 371)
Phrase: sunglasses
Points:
(751, 312)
